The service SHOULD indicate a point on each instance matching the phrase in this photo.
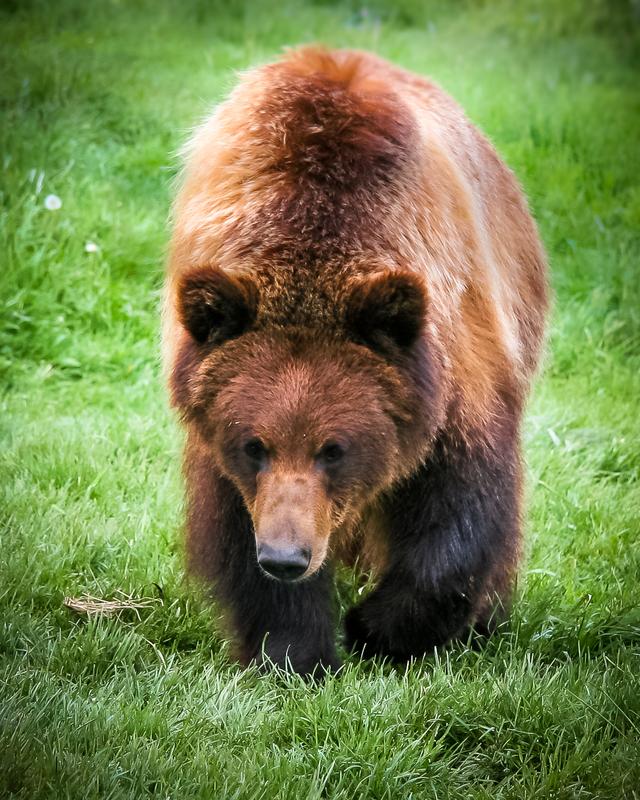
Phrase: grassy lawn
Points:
(96, 99)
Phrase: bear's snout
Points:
(284, 563)
(292, 524)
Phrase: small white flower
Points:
(91, 247)
(52, 202)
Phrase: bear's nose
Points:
(284, 563)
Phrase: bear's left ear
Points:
(386, 310)
(215, 306)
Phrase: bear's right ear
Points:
(214, 306)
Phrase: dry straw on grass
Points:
(90, 606)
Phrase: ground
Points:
(96, 99)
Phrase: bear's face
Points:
(310, 427)
(306, 434)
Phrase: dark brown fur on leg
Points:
(291, 625)
(454, 538)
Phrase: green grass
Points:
(96, 98)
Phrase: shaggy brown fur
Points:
(355, 304)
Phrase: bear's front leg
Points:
(454, 541)
(291, 625)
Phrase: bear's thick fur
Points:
(355, 304)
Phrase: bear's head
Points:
(310, 425)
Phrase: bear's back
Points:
(330, 164)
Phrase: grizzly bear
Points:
(354, 310)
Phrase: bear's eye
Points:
(256, 450)
(331, 453)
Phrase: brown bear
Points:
(355, 303)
